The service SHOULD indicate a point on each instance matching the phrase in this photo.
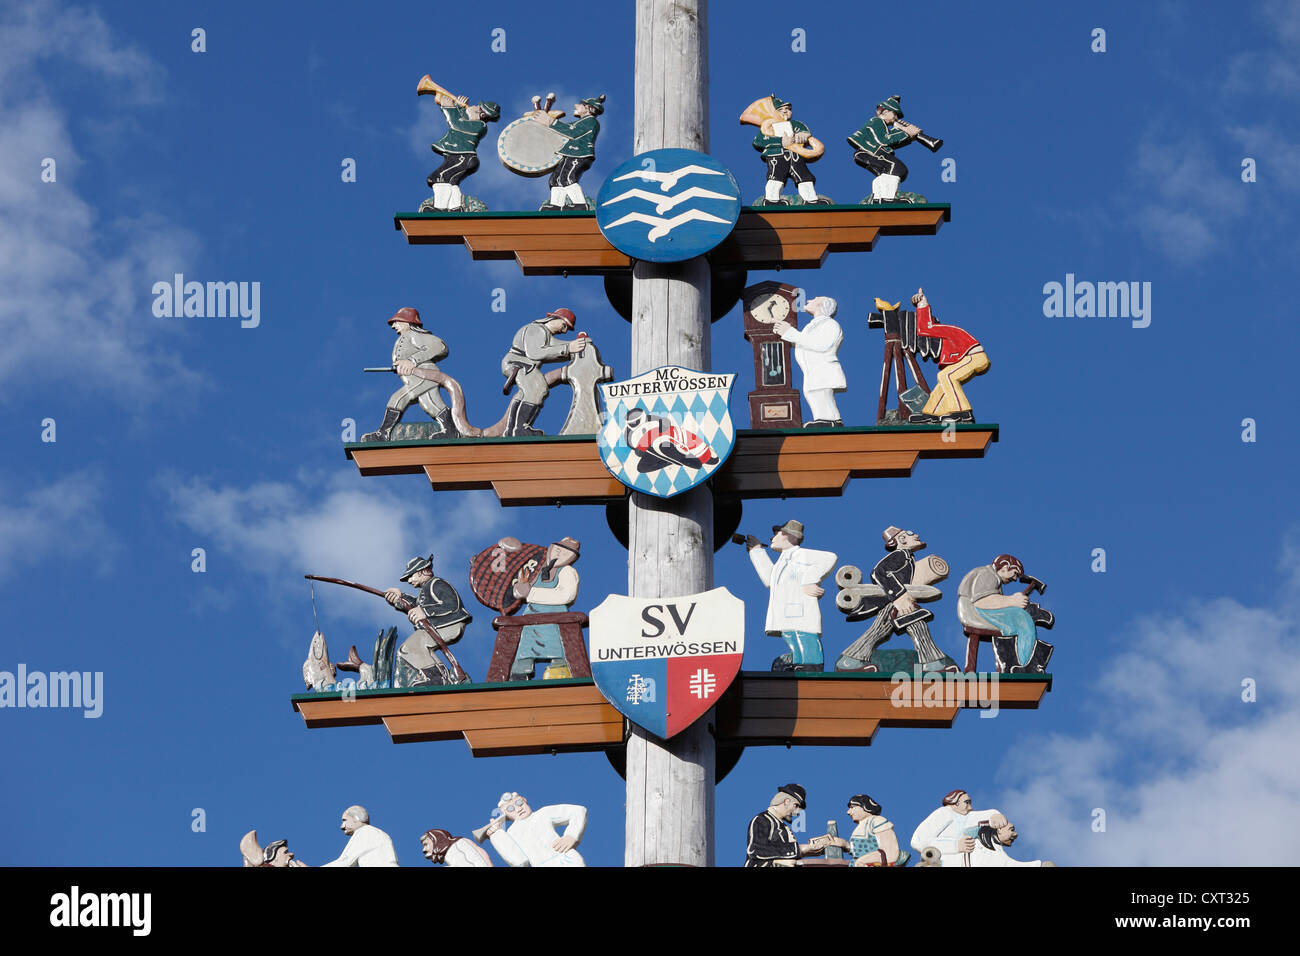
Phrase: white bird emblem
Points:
(664, 203)
(668, 180)
(661, 227)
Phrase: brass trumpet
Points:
(426, 85)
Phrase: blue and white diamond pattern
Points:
(701, 412)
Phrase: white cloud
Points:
(332, 527)
(1187, 772)
(61, 265)
(59, 519)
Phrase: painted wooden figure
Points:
(786, 146)
(816, 348)
(275, 854)
(794, 585)
(874, 145)
(901, 343)
(317, 670)
(437, 604)
(769, 839)
(416, 350)
(960, 357)
(873, 841)
(365, 672)
(774, 402)
(1010, 621)
(552, 589)
(576, 155)
(439, 846)
(530, 837)
(533, 346)
(458, 147)
(367, 845)
(965, 837)
(898, 582)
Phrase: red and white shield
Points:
(663, 662)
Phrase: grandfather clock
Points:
(774, 402)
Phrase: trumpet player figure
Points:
(458, 147)
(874, 144)
(784, 162)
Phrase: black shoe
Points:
(809, 668)
(837, 424)
(1004, 655)
(449, 429)
(966, 417)
(853, 665)
(1037, 662)
(923, 419)
(819, 201)
(783, 664)
(548, 207)
(391, 416)
(524, 420)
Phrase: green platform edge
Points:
(553, 214)
(349, 447)
(589, 682)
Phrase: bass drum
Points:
(528, 148)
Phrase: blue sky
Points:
(175, 434)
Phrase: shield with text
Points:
(667, 430)
(663, 662)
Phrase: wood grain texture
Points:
(763, 464)
(670, 784)
(573, 244)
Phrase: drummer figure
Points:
(576, 155)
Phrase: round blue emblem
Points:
(668, 205)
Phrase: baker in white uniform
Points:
(531, 839)
(367, 845)
(816, 351)
(793, 583)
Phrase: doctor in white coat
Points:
(816, 348)
(793, 583)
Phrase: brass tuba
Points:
(763, 114)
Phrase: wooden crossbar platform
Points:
(564, 716)
(764, 464)
(765, 237)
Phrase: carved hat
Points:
(892, 104)
(270, 850)
(491, 111)
(565, 314)
(1009, 560)
(799, 794)
(407, 314)
(891, 534)
(792, 529)
(777, 102)
(571, 543)
(416, 564)
(597, 103)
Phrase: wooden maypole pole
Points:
(670, 541)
